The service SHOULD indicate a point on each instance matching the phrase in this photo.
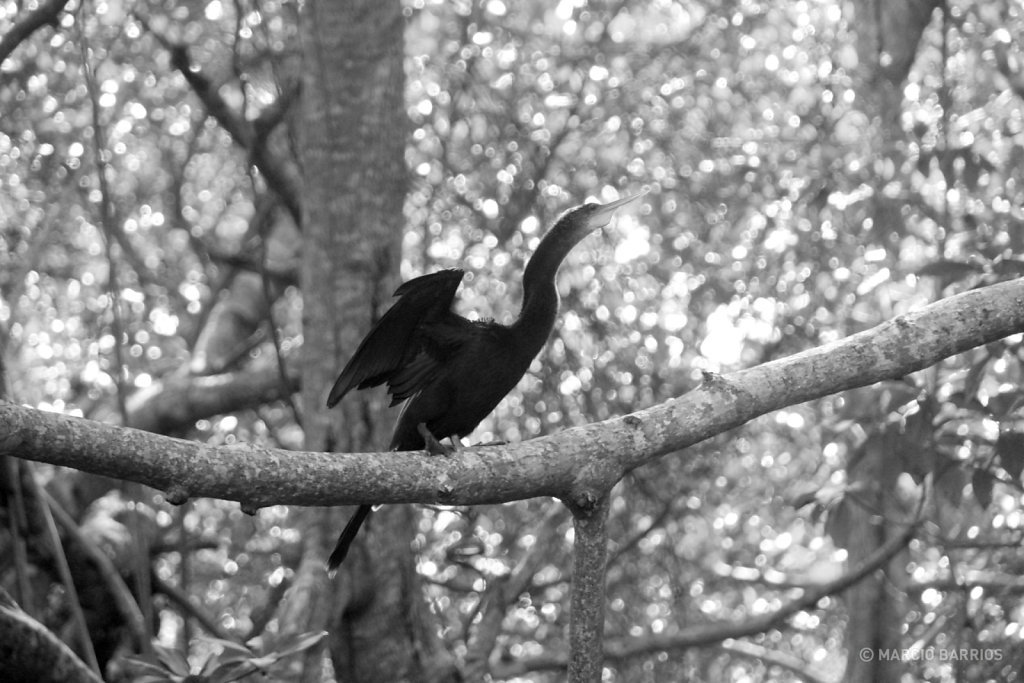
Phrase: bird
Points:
(449, 371)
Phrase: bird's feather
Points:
(397, 341)
(412, 376)
(450, 371)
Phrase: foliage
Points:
(784, 214)
(232, 663)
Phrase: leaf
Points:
(297, 643)
(950, 484)
(229, 645)
(1004, 403)
(173, 659)
(210, 665)
(924, 162)
(914, 442)
(231, 652)
(975, 376)
(838, 523)
(983, 482)
(233, 672)
(147, 665)
(1010, 449)
(1008, 267)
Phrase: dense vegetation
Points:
(800, 192)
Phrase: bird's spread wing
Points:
(434, 342)
(399, 349)
(412, 376)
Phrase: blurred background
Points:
(815, 168)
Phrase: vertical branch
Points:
(109, 228)
(17, 521)
(586, 618)
(265, 225)
(184, 571)
(946, 107)
(60, 561)
(17, 514)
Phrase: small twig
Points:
(108, 224)
(715, 633)
(269, 296)
(783, 660)
(501, 592)
(627, 544)
(188, 609)
(17, 526)
(245, 135)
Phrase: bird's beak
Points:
(603, 215)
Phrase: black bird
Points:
(451, 372)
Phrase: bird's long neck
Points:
(540, 296)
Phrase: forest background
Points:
(815, 168)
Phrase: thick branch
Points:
(577, 464)
(31, 652)
(176, 402)
(46, 13)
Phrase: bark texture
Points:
(355, 181)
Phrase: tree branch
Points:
(176, 402)
(189, 610)
(501, 592)
(46, 13)
(586, 612)
(31, 652)
(709, 634)
(251, 137)
(783, 660)
(81, 627)
(574, 464)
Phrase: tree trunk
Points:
(355, 180)
(876, 608)
(888, 35)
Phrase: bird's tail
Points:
(347, 536)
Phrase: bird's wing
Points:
(394, 345)
(434, 342)
(412, 377)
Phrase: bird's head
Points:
(572, 227)
(591, 216)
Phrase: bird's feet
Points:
(434, 447)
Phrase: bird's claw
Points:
(434, 447)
